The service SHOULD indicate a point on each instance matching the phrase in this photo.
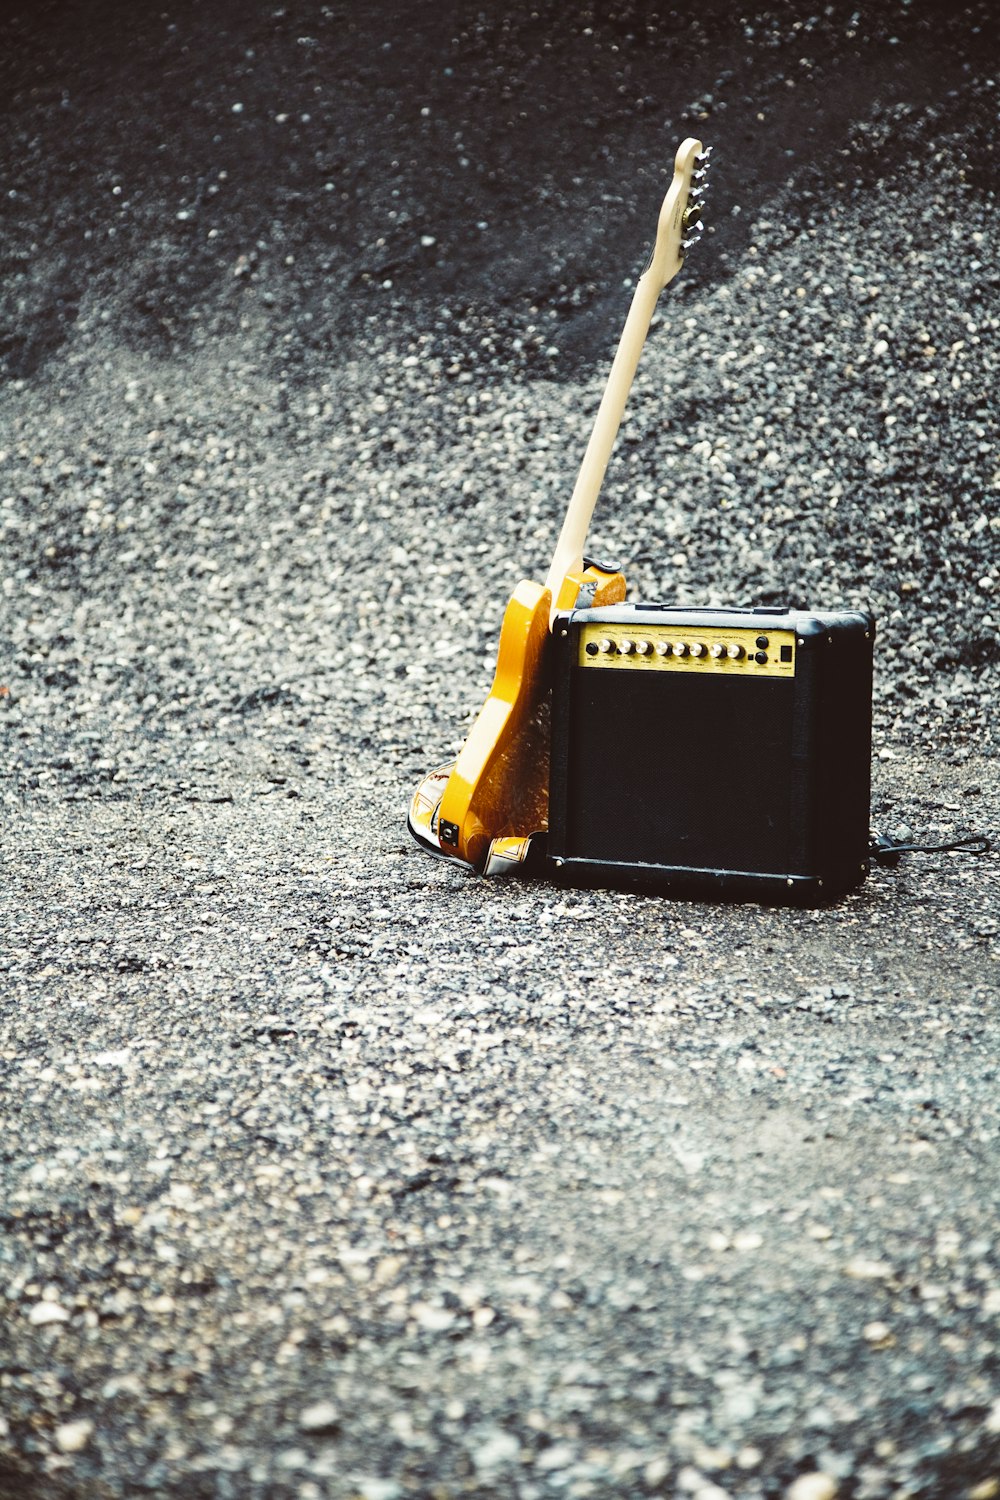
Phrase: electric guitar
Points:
(498, 786)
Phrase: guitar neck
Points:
(568, 556)
(678, 209)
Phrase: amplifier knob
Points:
(734, 652)
(643, 648)
(663, 648)
(680, 649)
(716, 650)
(605, 646)
(697, 649)
(625, 647)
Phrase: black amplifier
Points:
(721, 752)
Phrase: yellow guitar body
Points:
(499, 785)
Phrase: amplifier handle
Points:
(715, 609)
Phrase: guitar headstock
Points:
(679, 226)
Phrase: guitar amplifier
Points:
(712, 752)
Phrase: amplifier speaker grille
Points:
(661, 771)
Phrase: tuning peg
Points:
(691, 223)
(691, 240)
(704, 155)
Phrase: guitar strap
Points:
(517, 856)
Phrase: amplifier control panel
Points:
(652, 647)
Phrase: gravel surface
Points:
(328, 1171)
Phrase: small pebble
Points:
(47, 1312)
(863, 1269)
(373, 1487)
(73, 1437)
(321, 1417)
(816, 1486)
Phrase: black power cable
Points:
(886, 851)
